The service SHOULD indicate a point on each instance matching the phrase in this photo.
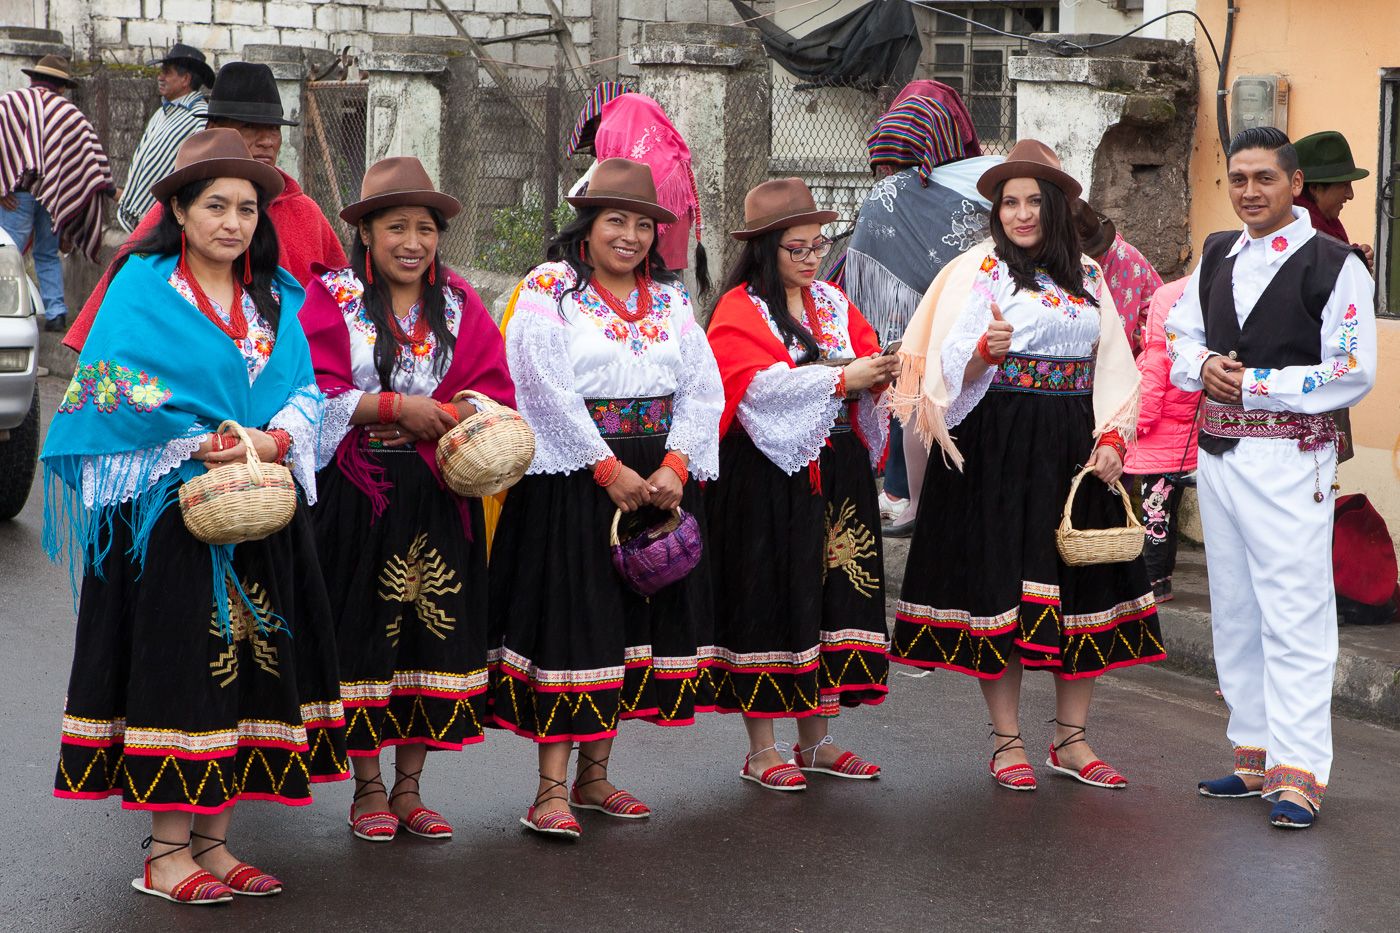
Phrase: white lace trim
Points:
(336, 424)
(789, 413)
(699, 405)
(110, 479)
(565, 437)
(958, 348)
(302, 418)
(873, 419)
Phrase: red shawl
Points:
(478, 362)
(1321, 223)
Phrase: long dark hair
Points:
(1059, 250)
(378, 306)
(164, 240)
(565, 248)
(757, 270)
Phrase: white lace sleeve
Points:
(537, 348)
(789, 413)
(958, 348)
(873, 419)
(339, 410)
(303, 418)
(699, 403)
(111, 479)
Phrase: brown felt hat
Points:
(1029, 158)
(218, 153)
(396, 182)
(779, 204)
(1096, 231)
(53, 67)
(625, 184)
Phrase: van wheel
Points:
(18, 458)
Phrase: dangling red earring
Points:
(369, 271)
(582, 255)
(432, 272)
(646, 267)
(182, 247)
(248, 267)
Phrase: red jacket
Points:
(304, 236)
(1166, 427)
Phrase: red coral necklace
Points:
(619, 306)
(237, 326)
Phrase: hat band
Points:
(234, 108)
(767, 219)
(637, 196)
(1335, 168)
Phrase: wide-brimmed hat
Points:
(1325, 158)
(625, 184)
(189, 57)
(398, 181)
(1029, 158)
(1096, 231)
(779, 204)
(52, 68)
(247, 92)
(217, 153)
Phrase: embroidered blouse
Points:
(565, 347)
(1348, 334)
(1045, 321)
(789, 412)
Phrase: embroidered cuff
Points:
(1256, 388)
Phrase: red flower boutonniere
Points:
(1279, 244)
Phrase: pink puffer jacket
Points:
(1166, 428)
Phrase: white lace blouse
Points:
(566, 346)
(789, 412)
(1046, 322)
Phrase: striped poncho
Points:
(172, 123)
(48, 145)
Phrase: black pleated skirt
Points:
(163, 710)
(799, 582)
(985, 582)
(408, 593)
(576, 650)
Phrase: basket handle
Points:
(487, 402)
(1117, 486)
(252, 461)
(617, 517)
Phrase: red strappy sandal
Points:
(619, 803)
(200, 889)
(380, 826)
(783, 777)
(1013, 777)
(847, 764)
(242, 878)
(559, 823)
(421, 822)
(1096, 773)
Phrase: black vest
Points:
(1284, 328)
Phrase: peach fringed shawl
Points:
(921, 394)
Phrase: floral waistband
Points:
(1044, 375)
(1312, 432)
(630, 417)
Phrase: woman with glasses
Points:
(794, 522)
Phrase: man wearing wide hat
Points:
(245, 98)
(1328, 171)
(183, 75)
(53, 172)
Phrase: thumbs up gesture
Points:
(998, 335)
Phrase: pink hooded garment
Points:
(1166, 427)
(633, 126)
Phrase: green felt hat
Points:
(1325, 158)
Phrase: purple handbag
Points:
(655, 557)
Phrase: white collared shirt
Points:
(1347, 337)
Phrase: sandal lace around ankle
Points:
(207, 849)
(599, 763)
(1078, 735)
(1013, 742)
(400, 777)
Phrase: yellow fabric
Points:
(921, 394)
(491, 505)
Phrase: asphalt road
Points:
(932, 845)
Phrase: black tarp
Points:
(875, 45)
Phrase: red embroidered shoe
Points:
(253, 882)
(379, 826)
(1013, 777)
(619, 803)
(847, 764)
(199, 889)
(427, 823)
(1096, 773)
(784, 777)
(556, 822)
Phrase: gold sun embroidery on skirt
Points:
(415, 578)
(848, 542)
(224, 668)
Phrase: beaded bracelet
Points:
(389, 407)
(841, 383)
(986, 354)
(450, 409)
(673, 462)
(1114, 440)
(283, 441)
(606, 472)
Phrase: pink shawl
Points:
(949, 98)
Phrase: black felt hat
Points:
(247, 92)
(187, 56)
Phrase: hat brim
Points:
(1104, 235)
(264, 176)
(647, 209)
(1356, 174)
(987, 184)
(425, 197)
(206, 74)
(50, 76)
(782, 223)
(226, 110)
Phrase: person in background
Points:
(183, 75)
(245, 98)
(53, 174)
(1166, 443)
(1328, 171)
(1131, 279)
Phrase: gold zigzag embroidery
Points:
(245, 628)
(848, 542)
(413, 579)
(230, 785)
(360, 718)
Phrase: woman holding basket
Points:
(203, 674)
(395, 337)
(1018, 346)
(619, 385)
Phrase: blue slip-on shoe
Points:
(1288, 815)
(1229, 786)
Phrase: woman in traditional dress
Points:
(394, 337)
(1018, 346)
(794, 523)
(619, 385)
(202, 675)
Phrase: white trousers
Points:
(1273, 607)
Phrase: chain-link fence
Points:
(334, 124)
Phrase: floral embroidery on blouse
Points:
(1348, 344)
(257, 346)
(1258, 383)
(347, 291)
(831, 337)
(627, 417)
(108, 384)
(549, 283)
(639, 336)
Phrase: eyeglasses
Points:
(800, 253)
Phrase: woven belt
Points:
(1312, 432)
(630, 417)
(1044, 375)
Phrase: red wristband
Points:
(283, 441)
(841, 384)
(606, 472)
(673, 462)
(388, 407)
(986, 354)
(451, 410)
(1115, 440)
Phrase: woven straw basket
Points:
(488, 452)
(1099, 545)
(239, 502)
